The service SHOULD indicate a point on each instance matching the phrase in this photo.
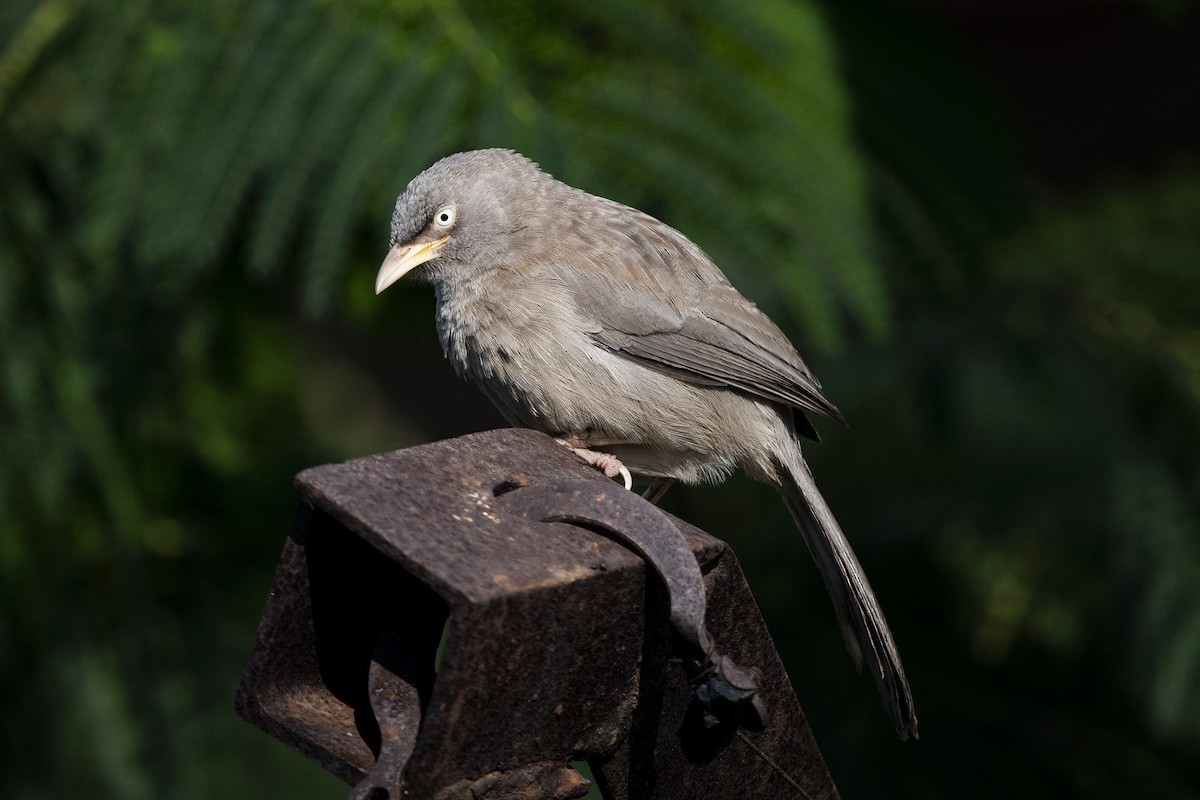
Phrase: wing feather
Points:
(651, 295)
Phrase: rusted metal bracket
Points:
(557, 647)
(726, 690)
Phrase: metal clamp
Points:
(512, 557)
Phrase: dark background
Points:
(980, 221)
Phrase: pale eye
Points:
(444, 217)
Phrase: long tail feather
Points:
(862, 622)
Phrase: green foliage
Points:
(192, 201)
(236, 118)
(1120, 277)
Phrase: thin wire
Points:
(771, 763)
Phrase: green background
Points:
(980, 222)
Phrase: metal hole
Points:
(504, 487)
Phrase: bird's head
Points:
(458, 216)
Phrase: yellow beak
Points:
(401, 259)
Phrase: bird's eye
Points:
(444, 217)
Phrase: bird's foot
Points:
(609, 464)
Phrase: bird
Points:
(611, 331)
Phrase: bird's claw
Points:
(627, 477)
(607, 463)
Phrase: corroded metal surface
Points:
(728, 692)
(558, 647)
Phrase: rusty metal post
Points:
(558, 646)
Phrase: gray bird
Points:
(608, 329)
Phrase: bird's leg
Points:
(657, 488)
(610, 465)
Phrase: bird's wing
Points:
(663, 303)
(717, 342)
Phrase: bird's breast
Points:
(522, 345)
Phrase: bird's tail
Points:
(862, 622)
